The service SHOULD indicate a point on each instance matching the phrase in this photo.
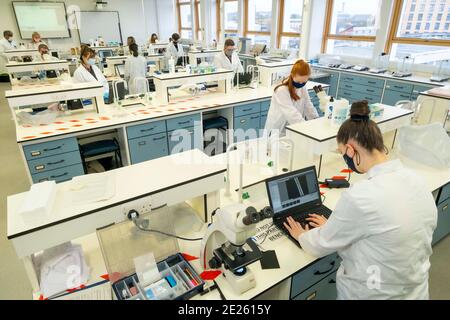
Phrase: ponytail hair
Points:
(361, 129)
(134, 49)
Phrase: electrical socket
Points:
(142, 206)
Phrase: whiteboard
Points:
(92, 24)
(47, 18)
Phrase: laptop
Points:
(295, 194)
(120, 70)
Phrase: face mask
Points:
(350, 162)
(229, 53)
(10, 40)
(91, 61)
(298, 85)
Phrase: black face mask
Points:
(350, 162)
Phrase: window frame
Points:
(393, 29)
(328, 36)
(218, 18)
(246, 20)
(280, 31)
(180, 25)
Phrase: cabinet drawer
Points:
(443, 223)
(146, 129)
(265, 105)
(392, 97)
(50, 148)
(365, 81)
(349, 95)
(148, 148)
(183, 122)
(323, 290)
(263, 120)
(445, 193)
(361, 89)
(59, 175)
(247, 109)
(247, 127)
(184, 140)
(54, 162)
(418, 89)
(313, 274)
(399, 86)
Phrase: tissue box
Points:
(39, 201)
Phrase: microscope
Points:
(227, 244)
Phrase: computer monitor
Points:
(259, 48)
(293, 191)
(103, 54)
(120, 70)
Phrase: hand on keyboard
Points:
(316, 220)
(295, 228)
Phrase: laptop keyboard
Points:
(301, 218)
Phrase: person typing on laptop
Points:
(381, 227)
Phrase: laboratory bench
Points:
(144, 130)
(300, 276)
(382, 88)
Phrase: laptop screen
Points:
(120, 70)
(293, 190)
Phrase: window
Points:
(184, 18)
(411, 16)
(418, 26)
(439, 17)
(198, 20)
(231, 13)
(447, 26)
(290, 24)
(350, 27)
(403, 40)
(258, 18)
(430, 15)
(420, 16)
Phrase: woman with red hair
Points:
(291, 102)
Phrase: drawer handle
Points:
(35, 153)
(146, 130)
(318, 273)
(246, 110)
(312, 296)
(331, 281)
(57, 162)
(256, 117)
(184, 122)
(371, 82)
(161, 138)
(399, 87)
(39, 167)
(61, 175)
(367, 98)
(445, 207)
(369, 90)
(52, 149)
(243, 121)
(142, 143)
(348, 86)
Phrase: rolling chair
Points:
(100, 150)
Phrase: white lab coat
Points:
(171, 51)
(221, 61)
(135, 67)
(4, 46)
(285, 111)
(82, 75)
(382, 229)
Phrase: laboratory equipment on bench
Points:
(346, 66)
(381, 64)
(442, 71)
(150, 265)
(324, 98)
(404, 67)
(228, 246)
(360, 68)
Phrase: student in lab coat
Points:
(88, 71)
(291, 102)
(36, 41)
(7, 43)
(228, 59)
(175, 49)
(43, 54)
(381, 227)
(153, 39)
(135, 66)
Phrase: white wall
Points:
(139, 18)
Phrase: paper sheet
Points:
(92, 188)
(99, 292)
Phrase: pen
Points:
(191, 277)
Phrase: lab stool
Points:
(99, 150)
(217, 123)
